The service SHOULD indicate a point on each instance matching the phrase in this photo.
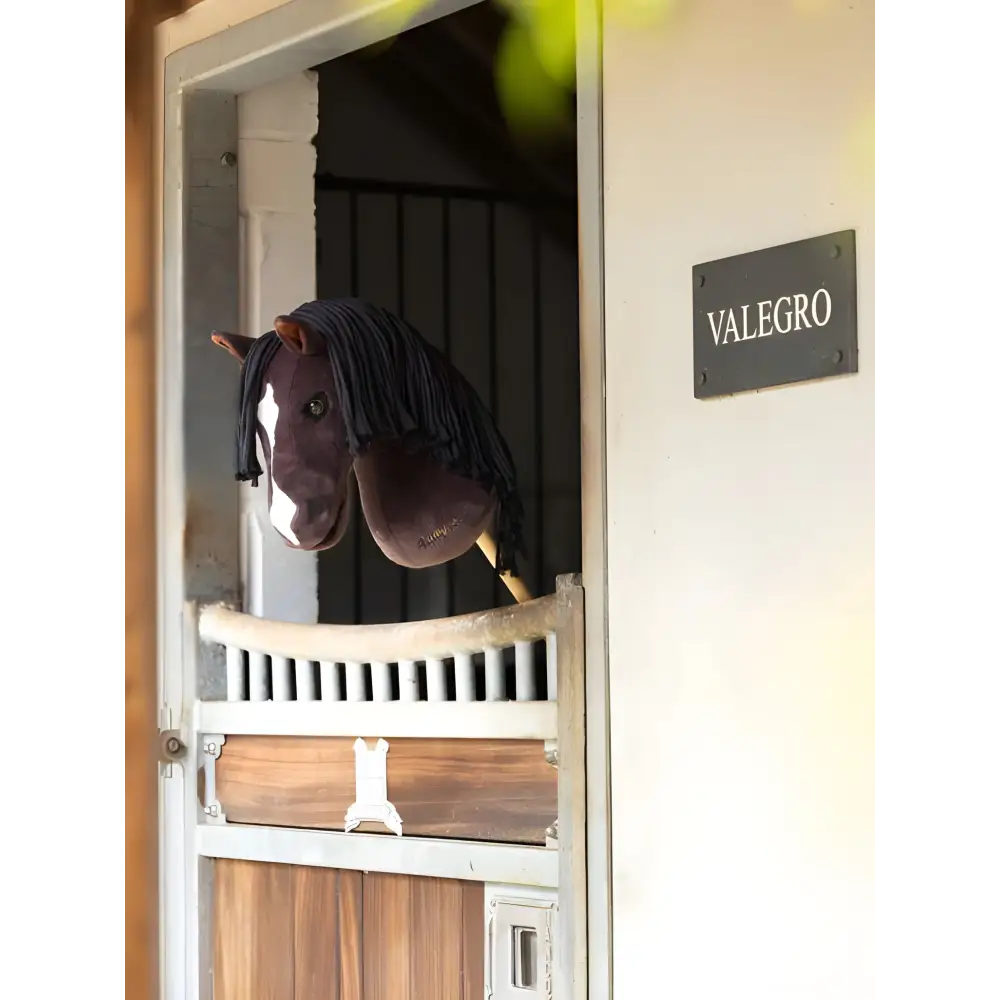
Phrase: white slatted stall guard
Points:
(488, 675)
(510, 673)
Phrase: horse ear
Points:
(297, 338)
(237, 345)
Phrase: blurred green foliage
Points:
(535, 67)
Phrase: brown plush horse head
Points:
(343, 384)
(301, 431)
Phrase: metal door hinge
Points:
(211, 750)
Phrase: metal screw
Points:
(210, 748)
(212, 810)
(228, 159)
(703, 378)
(835, 251)
(173, 745)
(701, 281)
(838, 357)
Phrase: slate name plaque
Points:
(776, 316)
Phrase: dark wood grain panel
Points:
(423, 938)
(499, 790)
(254, 949)
(436, 944)
(327, 922)
(300, 933)
(350, 908)
(473, 940)
(386, 936)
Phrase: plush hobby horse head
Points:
(344, 385)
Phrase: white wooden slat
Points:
(355, 676)
(281, 678)
(465, 678)
(305, 681)
(235, 679)
(329, 682)
(381, 682)
(437, 688)
(524, 672)
(258, 677)
(495, 686)
(409, 685)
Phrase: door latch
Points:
(172, 747)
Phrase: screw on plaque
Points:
(703, 378)
(701, 281)
(835, 251)
(838, 357)
(228, 159)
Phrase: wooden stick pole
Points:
(514, 584)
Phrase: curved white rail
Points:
(439, 638)
(499, 656)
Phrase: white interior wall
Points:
(740, 532)
(277, 161)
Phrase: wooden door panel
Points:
(327, 933)
(288, 932)
(254, 953)
(423, 938)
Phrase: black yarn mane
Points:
(392, 384)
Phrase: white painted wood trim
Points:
(593, 436)
(493, 720)
(459, 859)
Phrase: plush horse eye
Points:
(316, 407)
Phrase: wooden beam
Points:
(497, 790)
(141, 975)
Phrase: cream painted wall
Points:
(740, 530)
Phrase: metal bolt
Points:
(228, 159)
(173, 745)
(212, 810)
(210, 748)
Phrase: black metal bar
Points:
(358, 516)
(536, 346)
(404, 574)
(491, 267)
(364, 185)
(446, 336)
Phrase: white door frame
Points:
(198, 519)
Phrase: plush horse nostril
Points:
(312, 518)
(314, 510)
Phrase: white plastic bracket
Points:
(371, 794)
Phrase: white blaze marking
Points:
(283, 509)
